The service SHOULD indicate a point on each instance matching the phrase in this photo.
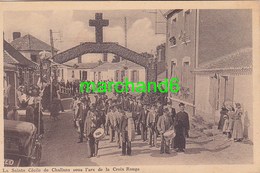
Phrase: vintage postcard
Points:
(130, 86)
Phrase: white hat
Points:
(31, 101)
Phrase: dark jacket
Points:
(143, 116)
(182, 121)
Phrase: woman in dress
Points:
(238, 128)
(55, 108)
(223, 114)
(231, 116)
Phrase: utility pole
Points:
(52, 54)
(125, 35)
(125, 32)
(52, 44)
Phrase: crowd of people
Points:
(30, 107)
(230, 122)
(126, 116)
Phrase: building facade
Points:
(197, 37)
(30, 46)
(119, 71)
(18, 70)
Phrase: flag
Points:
(39, 83)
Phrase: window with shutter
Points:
(186, 33)
(72, 74)
(135, 76)
(99, 75)
(117, 77)
(172, 41)
(123, 74)
(62, 74)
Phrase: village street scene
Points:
(51, 119)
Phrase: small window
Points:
(34, 58)
(173, 26)
(99, 75)
(173, 67)
(123, 75)
(73, 75)
(186, 61)
(185, 34)
(174, 20)
(117, 75)
(160, 55)
(62, 74)
(135, 76)
(172, 41)
(80, 74)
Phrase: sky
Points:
(72, 27)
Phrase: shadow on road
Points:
(199, 150)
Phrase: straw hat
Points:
(31, 101)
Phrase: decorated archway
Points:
(108, 47)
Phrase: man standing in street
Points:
(92, 122)
(152, 127)
(59, 100)
(80, 118)
(137, 113)
(142, 122)
(111, 122)
(165, 123)
(118, 118)
(182, 127)
(128, 133)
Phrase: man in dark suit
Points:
(80, 117)
(126, 103)
(173, 115)
(182, 127)
(138, 112)
(142, 122)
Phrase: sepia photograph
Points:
(123, 87)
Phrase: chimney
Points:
(16, 35)
(79, 59)
(105, 57)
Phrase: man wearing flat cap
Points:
(111, 121)
(164, 124)
(182, 127)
